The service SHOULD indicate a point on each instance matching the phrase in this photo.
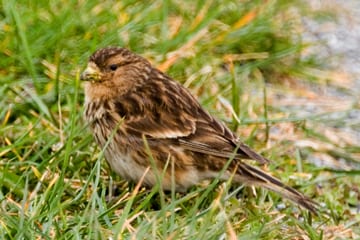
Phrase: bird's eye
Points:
(113, 67)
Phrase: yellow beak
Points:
(91, 73)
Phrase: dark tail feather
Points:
(254, 176)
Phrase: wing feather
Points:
(164, 109)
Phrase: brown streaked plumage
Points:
(126, 98)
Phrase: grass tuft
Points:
(247, 63)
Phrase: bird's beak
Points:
(91, 73)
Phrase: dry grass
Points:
(245, 61)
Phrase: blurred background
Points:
(282, 74)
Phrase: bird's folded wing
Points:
(183, 120)
(165, 127)
(205, 149)
(207, 136)
(213, 137)
(241, 151)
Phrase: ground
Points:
(282, 74)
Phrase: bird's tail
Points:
(253, 176)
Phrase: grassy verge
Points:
(238, 58)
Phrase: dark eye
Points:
(113, 67)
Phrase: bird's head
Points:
(114, 64)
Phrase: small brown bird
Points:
(128, 100)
